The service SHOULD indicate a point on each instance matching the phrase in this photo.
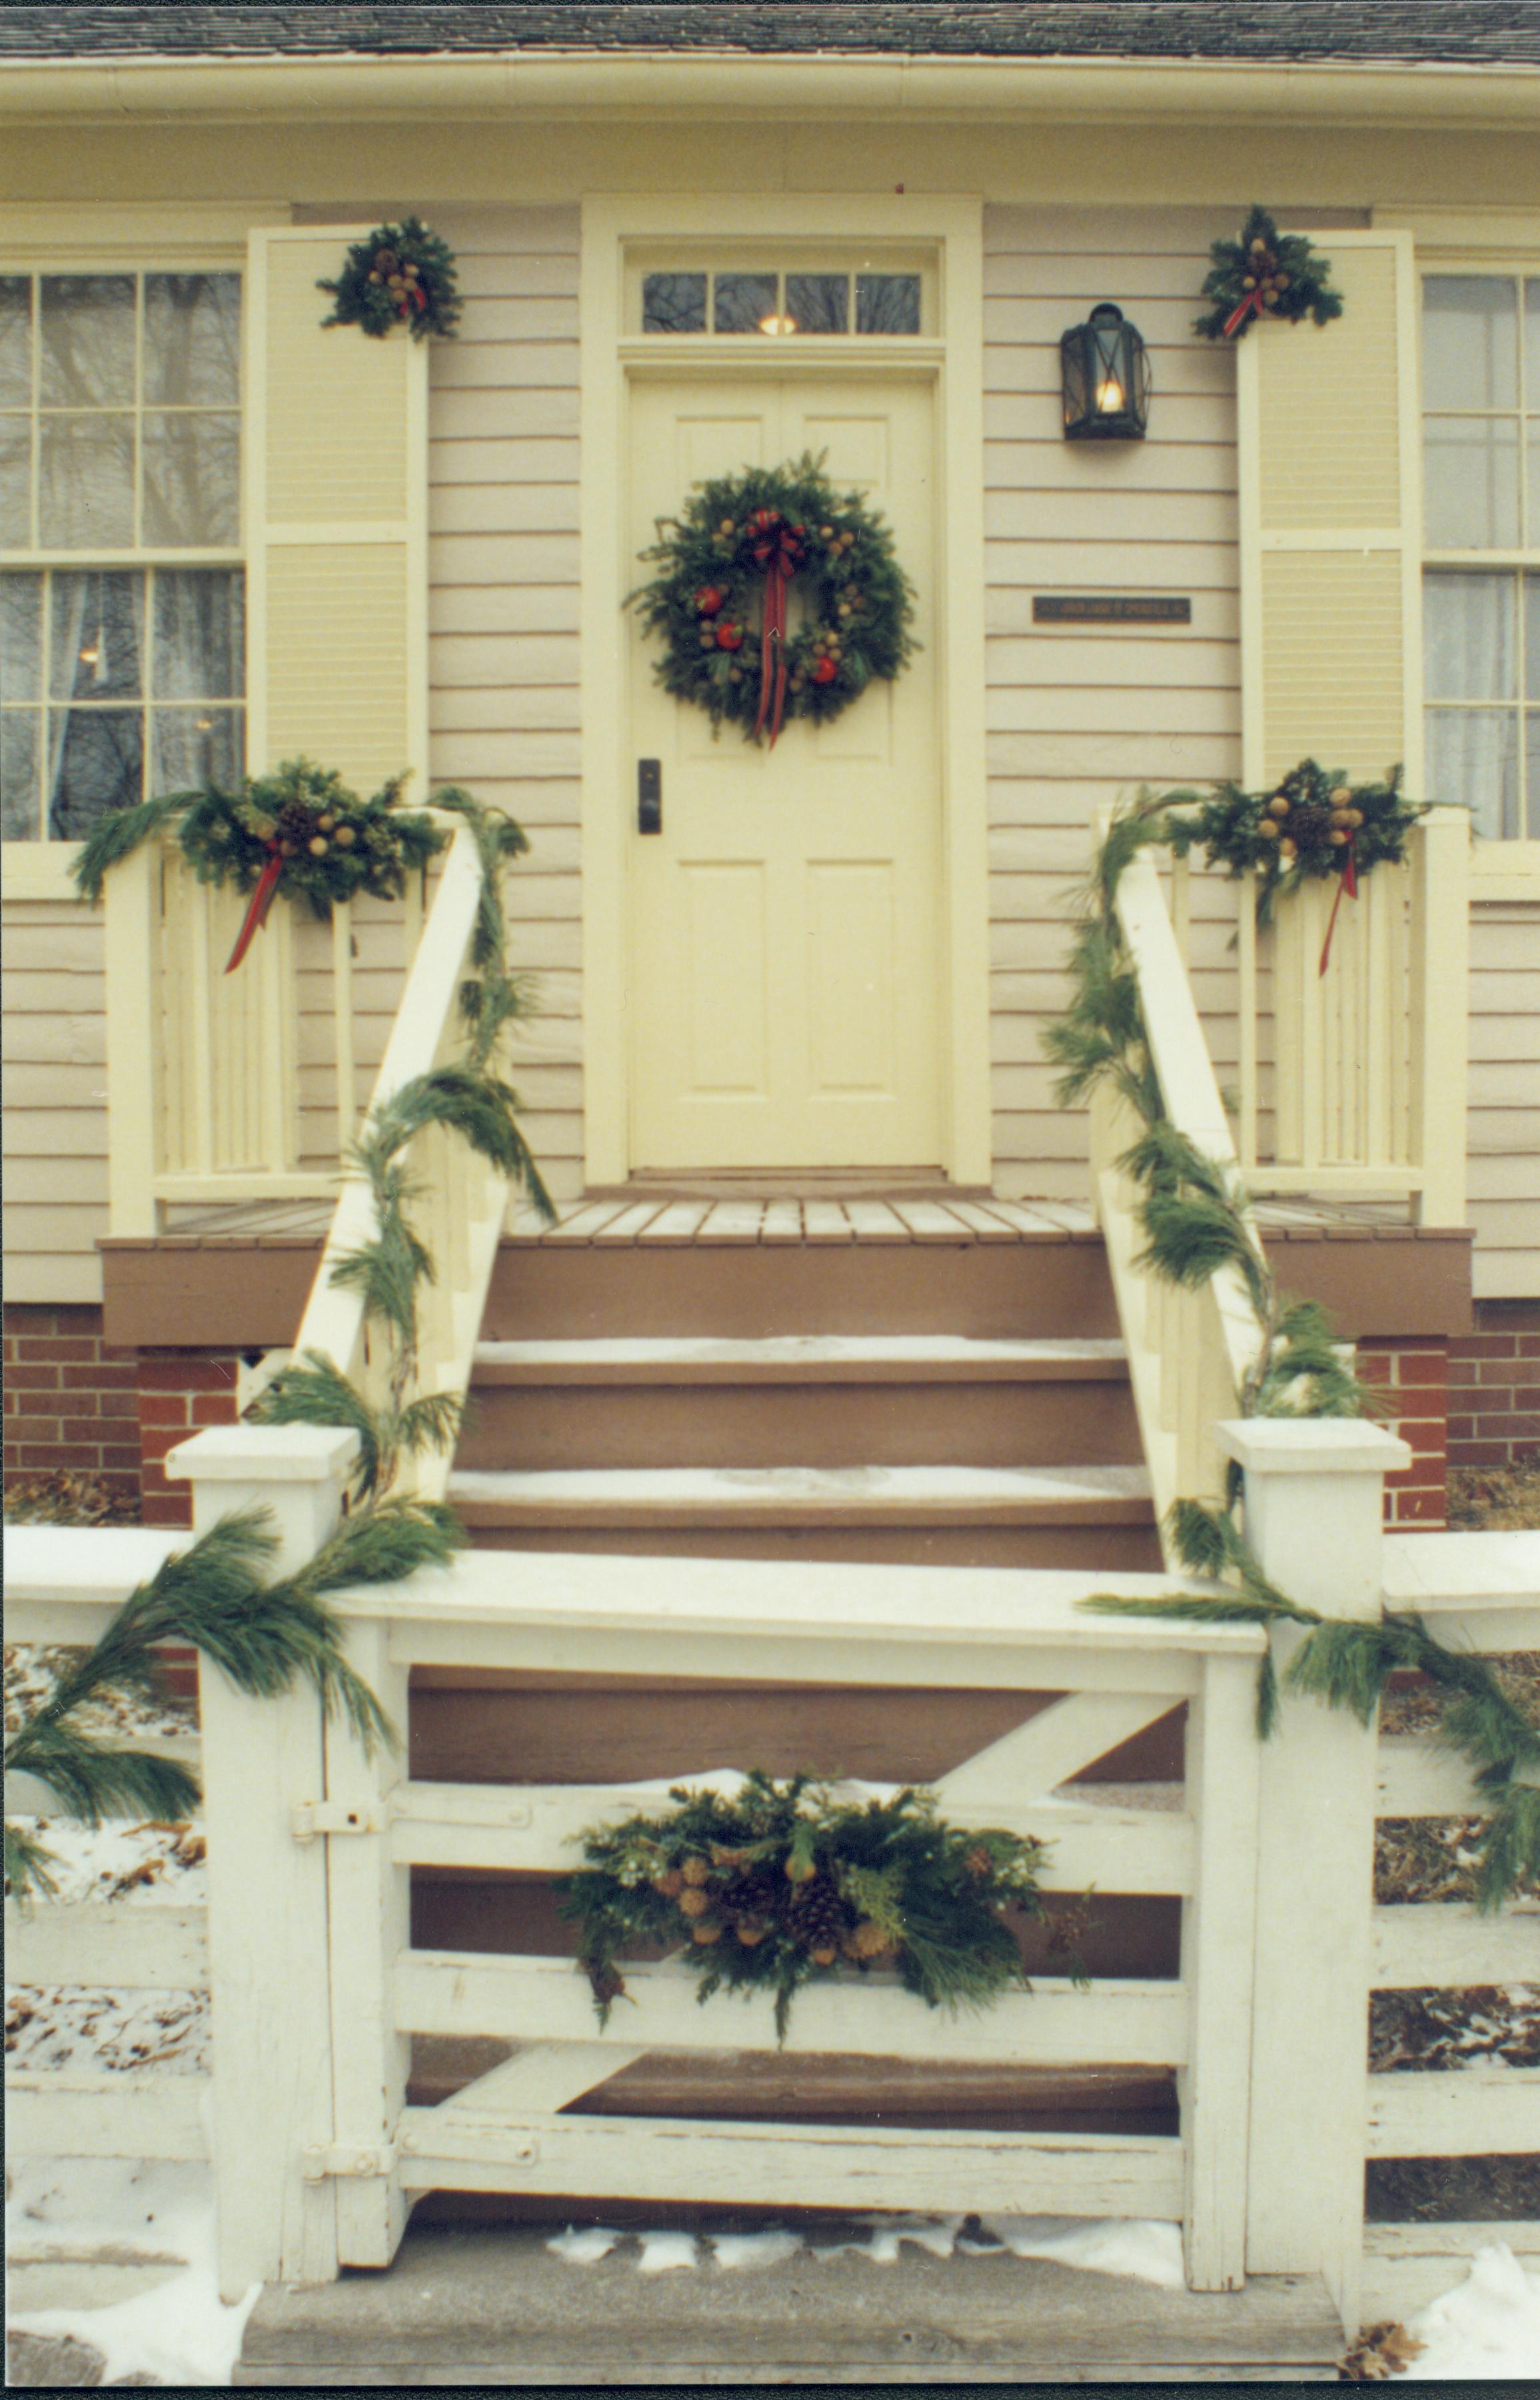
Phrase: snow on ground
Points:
(1147, 2251)
(178, 2333)
(1486, 2329)
(141, 1861)
(33, 1668)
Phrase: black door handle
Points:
(650, 796)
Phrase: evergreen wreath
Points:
(1312, 823)
(1265, 274)
(719, 600)
(786, 1883)
(399, 275)
(298, 831)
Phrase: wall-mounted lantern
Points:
(1106, 374)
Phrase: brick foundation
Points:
(1494, 1386)
(1411, 1375)
(74, 1401)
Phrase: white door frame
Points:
(954, 229)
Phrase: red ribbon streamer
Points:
(1348, 884)
(261, 901)
(1237, 316)
(779, 552)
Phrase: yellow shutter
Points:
(337, 525)
(1330, 525)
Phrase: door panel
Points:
(784, 942)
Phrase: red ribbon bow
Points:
(261, 903)
(778, 547)
(1238, 316)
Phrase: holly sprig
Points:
(1266, 273)
(707, 599)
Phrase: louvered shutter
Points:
(337, 525)
(1330, 525)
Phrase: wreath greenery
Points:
(299, 831)
(719, 599)
(787, 1882)
(1265, 274)
(1312, 823)
(399, 275)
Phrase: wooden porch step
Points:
(798, 1401)
(1092, 1516)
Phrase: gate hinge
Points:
(323, 2159)
(313, 1817)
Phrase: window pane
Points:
(1532, 768)
(192, 340)
(673, 304)
(1534, 536)
(1531, 636)
(199, 634)
(819, 304)
(1471, 466)
(887, 303)
(1473, 758)
(1470, 647)
(192, 482)
(96, 761)
(740, 301)
(1470, 341)
(1531, 343)
(86, 501)
(15, 482)
(15, 341)
(190, 748)
(96, 636)
(88, 341)
(21, 637)
(20, 752)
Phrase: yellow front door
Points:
(785, 926)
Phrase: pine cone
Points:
(297, 824)
(1310, 826)
(818, 1919)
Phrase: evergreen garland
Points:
(328, 845)
(1312, 823)
(710, 597)
(786, 1883)
(398, 274)
(1346, 1662)
(265, 1636)
(1265, 274)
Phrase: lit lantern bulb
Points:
(1109, 396)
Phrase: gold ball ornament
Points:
(1268, 829)
(825, 1956)
(751, 1935)
(1342, 797)
(1288, 849)
(320, 846)
(326, 822)
(1278, 806)
(286, 850)
(1354, 818)
(705, 1934)
(695, 1871)
(1339, 838)
(693, 1902)
(345, 837)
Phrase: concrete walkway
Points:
(497, 2307)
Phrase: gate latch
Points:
(313, 1817)
(324, 2158)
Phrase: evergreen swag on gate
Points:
(214, 1595)
(726, 564)
(1197, 1220)
(786, 1882)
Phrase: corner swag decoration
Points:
(731, 555)
(298, 831)
(399, 275)
(1313, 823)
(1265, 274)
(783, 1883)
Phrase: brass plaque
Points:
(1109, 608)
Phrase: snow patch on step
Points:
(792, 1487)
(796, 1349)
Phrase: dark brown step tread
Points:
(661, 1221)
(793, 1495)
(799, 1359)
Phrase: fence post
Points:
(268, 1931)
(1314, 1507)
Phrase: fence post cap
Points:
(1311, 1446)
(242, 1454)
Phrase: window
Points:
(1481, 584)
(122, 632)
(767, 301)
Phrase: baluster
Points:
(1311, 929)
(1398, 1011)
(342, 1023)
(1245, 953)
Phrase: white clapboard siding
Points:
(1505, 1099)
(1473, 2112)
(792, 2166)
(136, 2115)
(54, 1124)
(503, 613)
(1056, 2024)
(148, 1948)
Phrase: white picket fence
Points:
(317, 1990)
